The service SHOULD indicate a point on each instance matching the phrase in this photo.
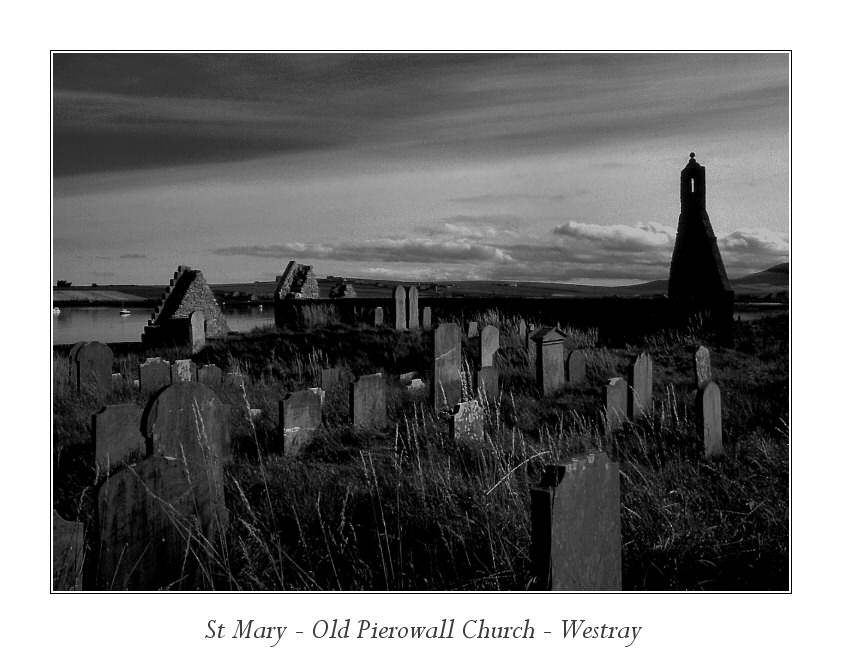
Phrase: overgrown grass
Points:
(405, 507)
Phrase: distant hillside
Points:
(769, 282)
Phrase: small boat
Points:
(56, 311)
(125, 312)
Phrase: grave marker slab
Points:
(183, 370)
(378, 316)
(416, 386)
(413, 308)
(549, 360)
(155, 373)
(399, 296)
(209, 375)
(301, 415)
(489, 343)
(427, 318)
(68, 553)
(576, 532)
(615, 399)
(197, 332)
(521, 328)
(640, 386)
(117, 434)
(709, 418)
(473, 329)
(93, 366)
(702, 367)
(447, 366)
(576, 367)
(329, 378)
(488, 383)
(466, 422)
(368, 400)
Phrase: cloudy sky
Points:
(551, 167)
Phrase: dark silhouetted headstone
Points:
(301, 415)
(576, 537)
(68, 553)
(399, 295)
(702, 368)
(466, 423)
(210, 375)
(447, 366)
(117, 434)
(709, 418)
(640, 386)
(413, 308)
(576, 367)
(93, 366)
(549, 360)
(154, 375)
(489, 343)
(368, 400)
(616, 402)
(488, 383)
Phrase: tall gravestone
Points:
(549, 360)
(183, 370)
(576, 531)
(209, 375)
(702, 367)
(427, 318)
(155, 373)
(368, 400)
(489, 344)
(301, 415)
(378, 316)
(640, 385)
(156, 521)
(466, 422)
(488, 383)
(413, 308)
(197, 332)
(447, 366)
(473, 329)
(399, 296)
(68, 553)
(521, 329)
(576, 367)
(615, 398)
(117, 434)
(93, 366)
(709, 418)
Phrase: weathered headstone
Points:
(640, 385)
(301, 415)
(378, 316)
(155, 521)
(416, 386)
(466, 422)
(427, 318)
(399, 296)
(368, 400)
(183, 370)
(116, 380)
(488, 383)
(521, 328)
(93, 366)
(709, 418)
(447, 366)
(155, 373)
(549, 360)
(530, 343)
(234, 380)
(489, 342)
(576, 537)
(473, 329)
(68, 553)
(329, 378)
(615, 397)
(117, 434)
(197, 332)
(413, 308)
(405, 378)
(576, 367)
(702, 367)
(210, 375)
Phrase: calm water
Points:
(105, 324)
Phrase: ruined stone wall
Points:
(199, 297)
(297, 281)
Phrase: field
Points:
(407, 508)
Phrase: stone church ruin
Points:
(297, 282)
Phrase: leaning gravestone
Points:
(155, 373)
(413, 308)
(399, 295)
(329, 378)
(93, 366)
(576, 367)
(301, 414)
(197, 332)
(378, 316)
(427, 318)
(702, 368)
(489, 342)
(549, 360)
(155, 520)
(68, 553)
(709, 418)
(183, 370)
(576, 537)
(117, 434)
(466, 423)
(209, 375)
(640, 386)
(368, 400)
(447, 366)
(488, 383)
(615, 397)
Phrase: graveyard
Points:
(410, 450)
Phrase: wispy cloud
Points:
(127, 256)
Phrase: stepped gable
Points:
(297, 282)
(696, 270)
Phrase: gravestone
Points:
(615, 399)
(702, 367)
(416, 386)
(183, 370)
(405, 378)
(378, 316)
(301, 415)
(154, 519)
(117, 434)
(549, 360)
(576, 532)
(466, 422)
(413, 308)
(155, 373)
(427, 318)
(71, 359)
(447, 366)
(399, 296)
(488, 383)
(197, 332)
(530, 344)
(116, 380)
(210, 375)
(640, 386)
(368, 400)
(576, 367)
(489, 342)
(709, 418)
(234, 380)
(329, 378)
(521, 328)
(93, 366)
(472, 329)
(68, 553)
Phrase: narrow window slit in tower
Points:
(692, 185)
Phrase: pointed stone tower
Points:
(696, 271)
